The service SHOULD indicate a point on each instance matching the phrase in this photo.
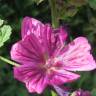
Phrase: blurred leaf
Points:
(38, 1)
(71, 11)
(94, 81)
(5, 33)
(26, 3)
(77, 3)
(22, 91)
(53, 93)
(93, 92)
(92, 4)
(84, 76)
(1, 22)
(68, 12)
(6, 10)
(47, 92)
(73, 94)
(21, 5)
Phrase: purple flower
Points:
(44, 57)
(81, 93)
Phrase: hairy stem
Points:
(9, 61)
(54, 13)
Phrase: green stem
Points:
(9, 61)
(54, 13)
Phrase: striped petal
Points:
(76, 56)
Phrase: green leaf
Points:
(92, 4)
(5, 33)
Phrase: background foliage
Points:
(79, 17)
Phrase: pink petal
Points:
(42, 32)
(31, 25)
(61, 91)
(53, 38)
(34, 78)
(27, 51)
(76, 56)
(62, 76)
(49, 38)
(38, 86)
(61, 35)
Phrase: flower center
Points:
(49, 63)
(48, 67)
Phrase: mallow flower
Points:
(45, 59)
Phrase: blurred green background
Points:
(79, 17)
